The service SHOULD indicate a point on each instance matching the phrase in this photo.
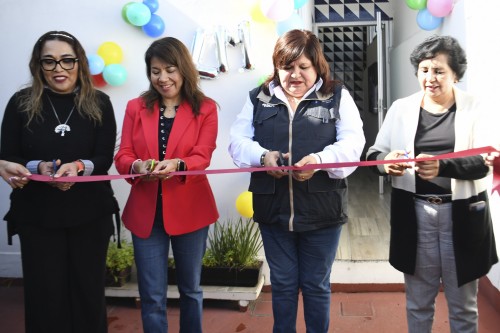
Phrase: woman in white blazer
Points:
(441, 228)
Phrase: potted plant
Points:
(119, 263)
(231, 258)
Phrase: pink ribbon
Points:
(463, 153)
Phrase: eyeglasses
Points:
(65, 63)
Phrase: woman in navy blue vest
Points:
(299, 116)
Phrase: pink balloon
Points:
(277, 10)
(439, 8)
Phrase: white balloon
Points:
(244, 32)
(277, 10)
(197, 47)
(220, 42)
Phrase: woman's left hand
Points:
(164, 168)
(303, 175)
(490, 158)
(68, 170)
(427, 170)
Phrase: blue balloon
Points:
(96, 64)
(299, 3)
(114, 74)
(293, 22)
(155, 27)
(427, 21)
(152, 4)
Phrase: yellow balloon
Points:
(257, 15)
(110, 52)
(244, 204)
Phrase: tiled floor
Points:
(350, 313)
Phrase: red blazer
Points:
(188, 201)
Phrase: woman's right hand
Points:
(47, 168)
(396, 169)
(145, 168)
(271, 160)
(14, 174)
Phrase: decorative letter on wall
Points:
(222, 39)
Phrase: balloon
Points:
(96, 64)
(98, 81)
(114, 74)
(124, 12)
(155, 27)
(439, 8)
(293, 22)
(207, 73)
(153, 5)
(416, 4)
(138, 14)
(277, 10)
(244, 204)
(426, 21)
(220, 42)
(197, 46)
(257, 15)
(299, 3)
(110, 52)
(244, 33)
(262, 79)
(196, 51)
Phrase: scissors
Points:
(152, 166)
(54, 168)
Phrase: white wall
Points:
(475, 25)
(482, 25)
(94, 22)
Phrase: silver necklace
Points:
(61, 128)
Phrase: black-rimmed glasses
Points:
(65, 63)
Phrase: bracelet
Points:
(262, 157)
(132, 169)
(80, 167)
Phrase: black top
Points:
(435, 136)
(164, 128)
(38, 202)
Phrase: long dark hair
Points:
(86, 99)
(173, 52)
(291, 46)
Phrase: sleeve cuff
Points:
(32, 166)
(89, 167)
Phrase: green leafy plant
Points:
(233, 244)
(119, 260)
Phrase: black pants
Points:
(63, 272)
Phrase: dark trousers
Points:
(63, 273)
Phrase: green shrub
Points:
(118, 260)
(233, 244)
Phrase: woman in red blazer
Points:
(170, 127)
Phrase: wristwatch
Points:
(181, 166)
(262, 157)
